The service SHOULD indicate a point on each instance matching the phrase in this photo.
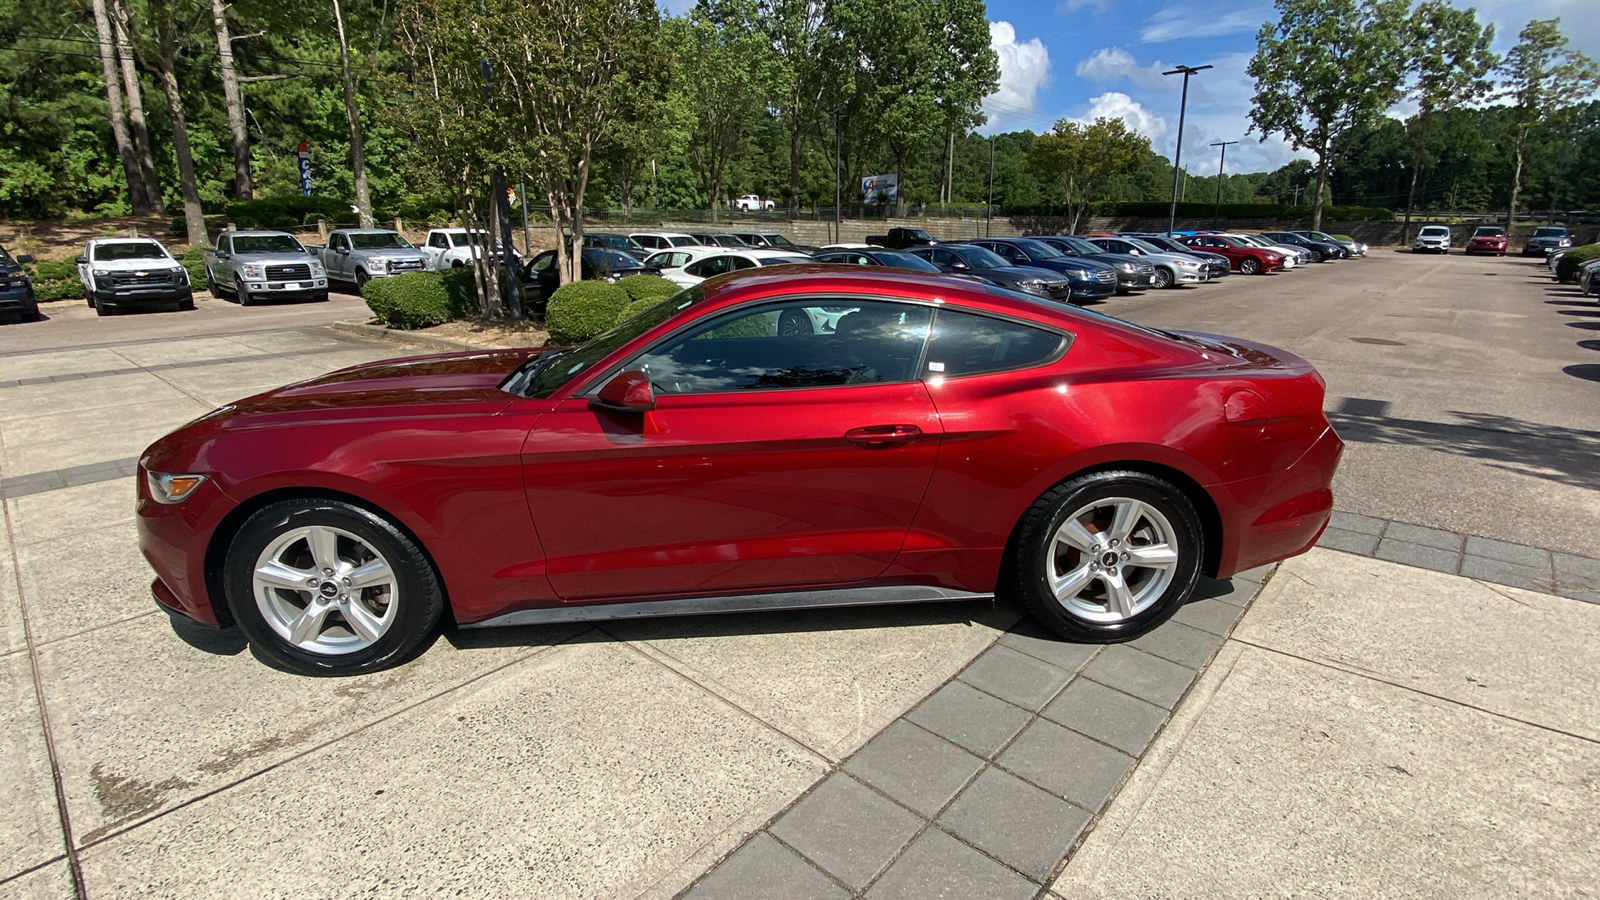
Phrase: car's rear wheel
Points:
(323, 587)
(793, 322)
(1249, 266)
(1107, 556)
(1164, 278)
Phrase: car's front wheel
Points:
(323, 587)
(1164, 278)
(1249, 266)
(1107, 556)
(240, 293)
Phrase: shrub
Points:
(647, 287)
(287, 212)
(635, 307)
(57, 289)
(194, 261)
(51, 271)
(580, 310)
(418, 300)
(1567, 267)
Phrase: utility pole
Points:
(838, 183)
(1221, 165)
(1177, 155)
(988, 223)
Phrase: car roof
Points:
(259, 232)
(125, 240)
(665, 234)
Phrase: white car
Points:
(119, 273)
(1293, 257)
(849, 245)
(1432, 239)
(752, 203)
(702, 263)
(663, 240)
(449, 248)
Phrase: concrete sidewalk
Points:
(1371, 729)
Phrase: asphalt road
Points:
(1467, 389)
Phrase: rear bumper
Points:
(1281, 515)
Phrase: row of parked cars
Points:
(1492, 240)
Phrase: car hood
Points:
(135, 265)
(395, 253)
(1014, 274)
(287, 257)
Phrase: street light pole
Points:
(988, 223)
(1177, 155)
(1221, 164)
(838, 183)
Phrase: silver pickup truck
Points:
(257, 265)
(357, 255)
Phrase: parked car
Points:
(1355, 247)
(1589, 279)
(985, 265)
(718, 239)
(454, 248)
(752, 203)
(621, 243)
(358, 255)
(1547, 240)
(1130, 273)
(257, 265)
(1216, 264)
(126, 273)
(1321, 251)
(662, 240)
(1432, 239)
(713, 264)
(1489, 239)
(16, 288)
(1172, 269)
(772, 240)
(692, 460)
(903, 238)
(543, 277)
(1293, 257)
(876, 256)
(1246, 258)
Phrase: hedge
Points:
(1152, 209)
(1567, 266)
(579, 310)
(420, 299)
(56, 281)
(647, 287)
(287, 212)
(194, 261)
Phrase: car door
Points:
(338, 261)
(435, 249)
(83, 269)
(767, 460)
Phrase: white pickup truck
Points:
(449, 248)
(752, 203)
(122, 273)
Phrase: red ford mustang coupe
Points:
(929, 439)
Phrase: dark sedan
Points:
(947, 441)
(1547, 240)
(1321, 251)
(16, 289)
(965, 259)
(541, 272)
(1091, 279)
(1132, 273)
(876, 256)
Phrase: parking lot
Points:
(628, 760)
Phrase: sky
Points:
(1082, 59)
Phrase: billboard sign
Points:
(305, 169)
(885, 188)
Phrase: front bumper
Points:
(1540, 250)
(1135, 281)
(1091, 288)
(1190, 276)
(1476, 247)
(155, 295)
(18, 300)
(309, 288)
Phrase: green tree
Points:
(723, 76)
(1325, 67)
(1082, 158)
(1451, 60)
(1545, 79)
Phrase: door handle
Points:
(883, 435)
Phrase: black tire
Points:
(793, 322)
(1316, 256)
(100, 307)
(1249, 266)
(417, 597)
(88, 297)
(241, 294)
(361, 279)
(186, 304)
(1164, 279)
(1037, 556)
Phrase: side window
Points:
(542, 262)
(1010, 252)
(706, 268)
(736, 263)
(225, 243)
(437, 240)
(968, 344)
(798, 344)
(864, 261)
(338, 242)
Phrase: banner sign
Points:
(305, 170)
(880, 187)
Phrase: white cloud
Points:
(1185, 20)
(1024, 70)
(1111, 64)
(1114, 105)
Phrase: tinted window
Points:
(1549, 232)
(266, 243)
(903, 261)
(543, 261)
(437, 239)
(130, 250)
(381, 240)
(967, 344)
(979, 258)
(798, 344)
(669, 260)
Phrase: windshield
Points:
(266, 243)
(548, 372)
(1549, 232)
(1080, 246)
(681, 241)
(979, 258)
(609, 259)
(917, 234)
(5, 258)
(129, 250)
(778, 240)
(1489, 231)
(1435, 231)
(381, 240)
(904, 261)
(1037, 249)
(1165, 244)
(780, 260)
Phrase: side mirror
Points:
(627, 392)
(24, 260)
(959, 266)
(82, 260)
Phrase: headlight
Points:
(379, 266)
(169, 488)
(180, 276)
(317, 270)
(1272, 257)
(101, 273)
(1126, 266)
(253, 272)
(1083, 274)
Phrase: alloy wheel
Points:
(1112, 560)
(324, 590)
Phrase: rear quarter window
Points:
(968, 344)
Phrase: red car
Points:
(1246, 259)
(944, 440)
(1487, 239)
